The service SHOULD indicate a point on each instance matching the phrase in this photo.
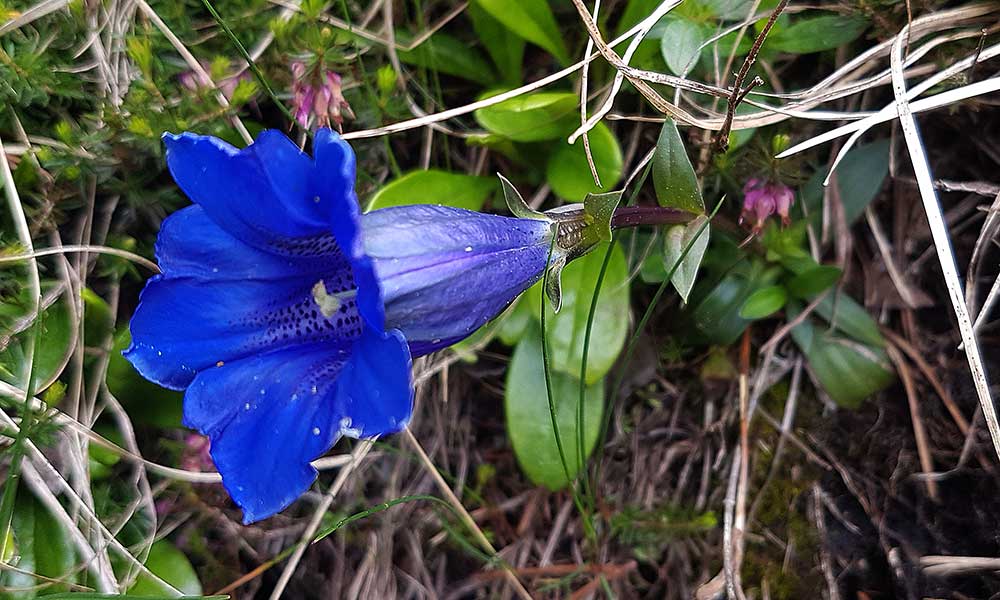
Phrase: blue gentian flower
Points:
(269, 314)
(289, 318)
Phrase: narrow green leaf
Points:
(676, 239)
(814, 281)
(764, 302)
(433, 186)
(568, 171)
(674, 178)
(566, 330)
(680, 43)
(528, 421)
(532, 20)
(446, 54)
(504, 47)
(859, 179)
(532, 117)
(815, 34)
(850, 318)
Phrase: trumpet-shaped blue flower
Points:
(269, 314)
(289, 318)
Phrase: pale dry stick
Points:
(942, 241)
(195, 66)
(584, 76)
(897, 277)
(467, 519)
(919, 433)
(357, 455)
(956, 565)
(97, 249)
(644, 27)
(986, 233)
(37, 11)
(991, 299)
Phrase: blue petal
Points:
(186, 324)
(446, 271)
(259, 194)
(190, 244)
(270, 415)
(333, 186)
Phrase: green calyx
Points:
(578, 229)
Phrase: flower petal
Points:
(333, 186)
(186, 324)
(258, 194)
(190, 244)
(268, 416)
(446, 271)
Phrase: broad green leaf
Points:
(435, 187)
(446, 54)
(532, 117)
(54, 344)
(505, 48)
(815, 34)
(146, 402)
(764, 302)
(677, 239)
(569, 173)
(850, 318)
(859, 178)
(532, 20)
(529, 422)
(849, 371)
(41, 546)
(729, 9)
(169, 564)
(680, 43)
(515, 321)
(674, 178)
(814, 281)
(566, 331)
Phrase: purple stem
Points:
(633, 216)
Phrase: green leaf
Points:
(859, 179)
(850, 318)
(532, 20)
(815, 34)
(54, 344)
(446, 54)
(432, 186)
(764, 302)
(504, 47)
(569, 173)
(515, 321)
(677, 238)
(680, 43)
(566, 330)
(814, 281)
(717, 315)
(41, 546)
(529, 423)
(532, 117)
(169, 564)
(849, 371)
(146, 402)
(674, 178)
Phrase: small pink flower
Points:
(321, 100)
(195, 456)
(761, 199)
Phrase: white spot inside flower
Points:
(468, 248)
(315, 430)
(436, 341)
(246, 406)
(314, 390)
(220, 363)
(262, 391)
(328, 304)
(215, 269)
(316, 199)
(346, 429)
(158, 353)
(295, 397)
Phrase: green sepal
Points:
(516, 204)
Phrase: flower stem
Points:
(633, 216)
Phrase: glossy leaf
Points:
(850, 318)
(514, 322)
(54, 344)
(815, 34)
(813, 281)
(169, 564)
(680, 43)
(446, 54)
(41, 546)
(674, 179)
(764, 302)
(532, 20)
(504, 47)
(532, 117)
(569, 173)
(859, 179)
(432, 186)
(566, 330)
(529, 423)
(677, 239)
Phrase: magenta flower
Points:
(762, 198)
(318, 97)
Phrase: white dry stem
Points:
(942, 241)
